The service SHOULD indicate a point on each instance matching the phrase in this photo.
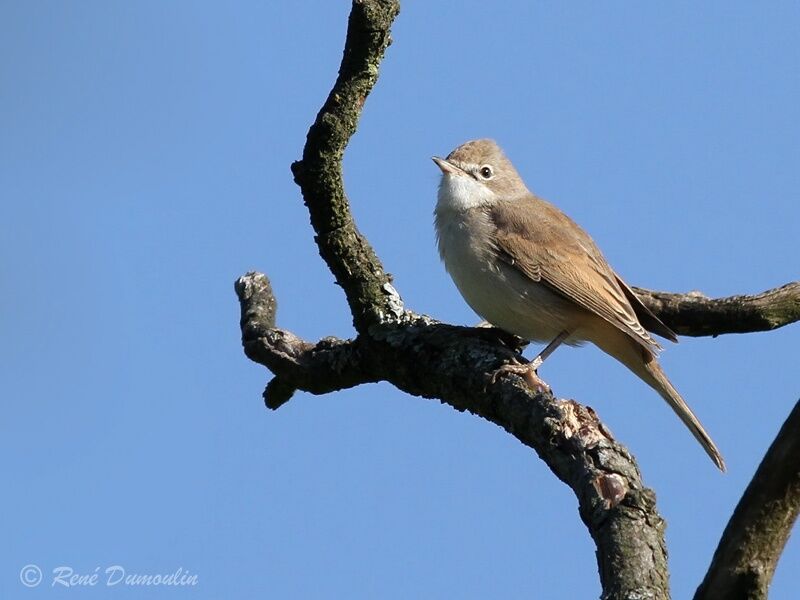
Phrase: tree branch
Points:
(753, 540)
(434, 360)
(327, 366)
(347, 253)
(697, 315)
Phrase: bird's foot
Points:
(528, 373)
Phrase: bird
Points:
(527, 268)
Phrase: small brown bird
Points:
(527, 268)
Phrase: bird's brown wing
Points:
(646, 317)
(546, 245)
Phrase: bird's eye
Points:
(486, 172)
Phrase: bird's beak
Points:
(446, 167)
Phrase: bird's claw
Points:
(526, 371)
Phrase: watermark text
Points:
(111, 576)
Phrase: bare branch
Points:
(347, 253)
(434, 360)
(697, 315)
(753, 540)
(429, 359)
(327, 366)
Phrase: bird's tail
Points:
(644, 364)
(654, 376)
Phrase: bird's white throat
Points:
(462, 192)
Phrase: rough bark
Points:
(694, 314)
(347, 253)
(327, 366)
(434, 360)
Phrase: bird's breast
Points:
(494, 289)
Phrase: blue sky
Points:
(144, 165)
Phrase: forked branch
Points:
(434, 360)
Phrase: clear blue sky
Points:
(144, 165)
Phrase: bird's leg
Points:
(528, 371)
(548, 350)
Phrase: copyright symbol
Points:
(30, 576)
